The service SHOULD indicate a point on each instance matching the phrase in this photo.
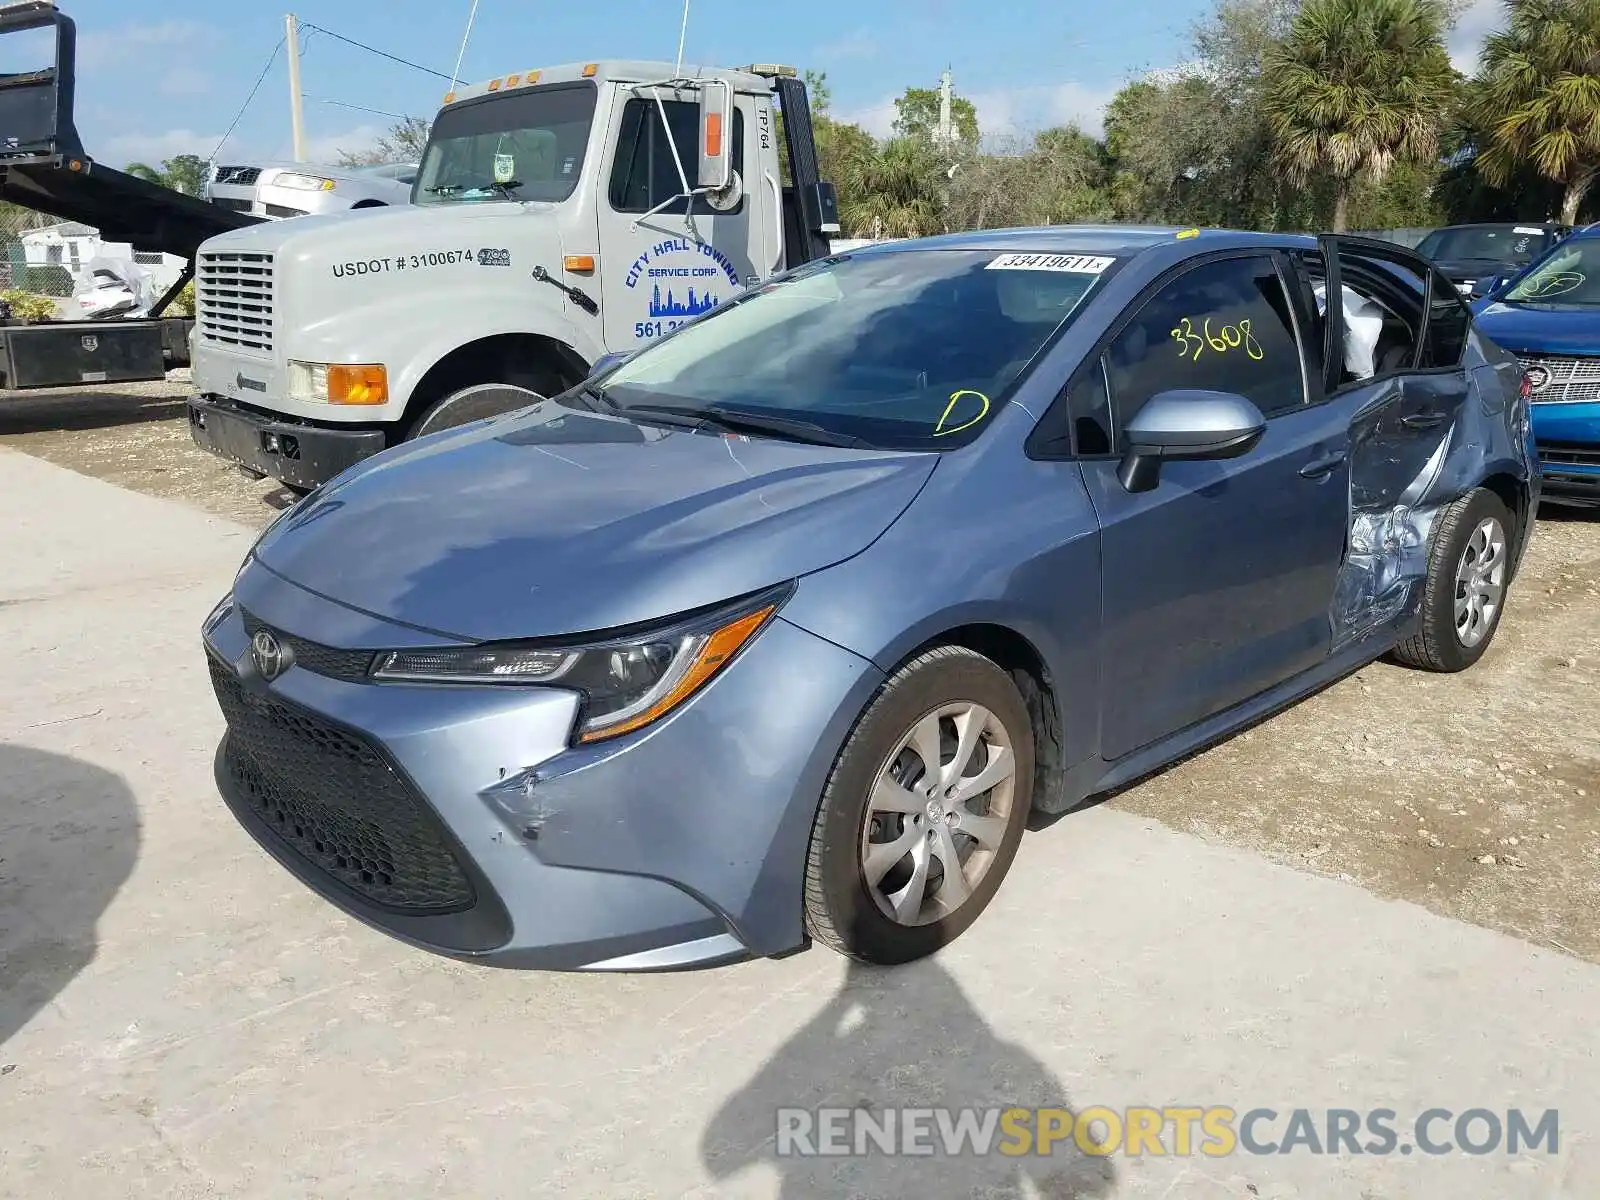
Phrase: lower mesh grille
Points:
(337, 803)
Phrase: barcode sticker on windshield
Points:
(1525, 229)
(1077, 264)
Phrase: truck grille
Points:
(334, 801)
(233, 299)
(1570, 380)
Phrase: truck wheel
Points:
(923, 811)
(1469, 566)
(473, 403)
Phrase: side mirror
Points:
(716, 135)
(1186, 425)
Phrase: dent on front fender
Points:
(1386, 564)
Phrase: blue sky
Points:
(155, 81)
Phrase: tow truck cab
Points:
(559, 215)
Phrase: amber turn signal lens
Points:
(367, 383)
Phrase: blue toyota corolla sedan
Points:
(777, 630)
(1548, 315)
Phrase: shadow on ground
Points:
(69, 836)
(39, 412)
(902, 1038)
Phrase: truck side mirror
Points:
(716, 134)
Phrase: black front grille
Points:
(243, 176)
(349, 665)
(231, 204)
(336, 802)
(1575, 453)
(283, 210)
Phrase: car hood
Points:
(1522, 330)
(553, 521)
(1474, 268)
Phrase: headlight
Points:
(627, 683)
(339, 383)
(304, 183)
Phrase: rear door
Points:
(1217, 582)
(1405, 399)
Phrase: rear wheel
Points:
(1469, 568)
(923, 811)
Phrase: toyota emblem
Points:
(267, 655)
(1538, 379)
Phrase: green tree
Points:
(1537, 97)
(184, 173)
(1356, 86)
(917, 115)
(404, 142)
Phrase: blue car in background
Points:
(1548, 315)
(778, 630)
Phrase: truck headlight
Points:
(626, 683)
(304, 183)
(339, 383)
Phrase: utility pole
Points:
(297, 122)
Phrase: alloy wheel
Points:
(1480, 582)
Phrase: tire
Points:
(474, 403)
(1464, 596)
(854, 916)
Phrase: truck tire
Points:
(473, 403)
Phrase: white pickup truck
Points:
(559, 216)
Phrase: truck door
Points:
(659, 269)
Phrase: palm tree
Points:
(1355, 86)
(1537, 96)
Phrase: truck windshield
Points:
(526, 144)
(899, 349)
(1568, 277)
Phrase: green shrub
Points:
(183, 303)
(25, 306)
(49, 280)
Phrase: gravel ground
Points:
(1474, 795)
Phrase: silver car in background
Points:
(280, 190)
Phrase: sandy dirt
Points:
(1474, 795)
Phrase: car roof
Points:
(1115, 240)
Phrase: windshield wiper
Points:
(455, 189)
(733, 421)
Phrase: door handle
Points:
(1320, 468)
(777, 223)
(1424, 420)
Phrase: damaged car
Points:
(777, 631)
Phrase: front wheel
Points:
(923, 810)
(1463, 598)
(469, 404)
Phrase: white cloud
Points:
(135, 45)
(153, 148)
(859, 44)
(1013, 111)
(326, 148)
(1481, 18)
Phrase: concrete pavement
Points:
(179, 1018)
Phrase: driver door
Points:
(661, 269)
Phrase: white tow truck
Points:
(560, 216)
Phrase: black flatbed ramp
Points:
(43, 166)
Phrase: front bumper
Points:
(301, 455)
(457, 818)
(1568, 441)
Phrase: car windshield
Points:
(526, 144)
(904, 349)
(1514, 245)
(1569, 277)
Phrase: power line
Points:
(271, 58)
(377, 112)
(404, 62)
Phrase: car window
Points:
(1515, 245)
(1448, 319)
(1382, 309)
(644, 173)
(1224, 326)
(1089, 402)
